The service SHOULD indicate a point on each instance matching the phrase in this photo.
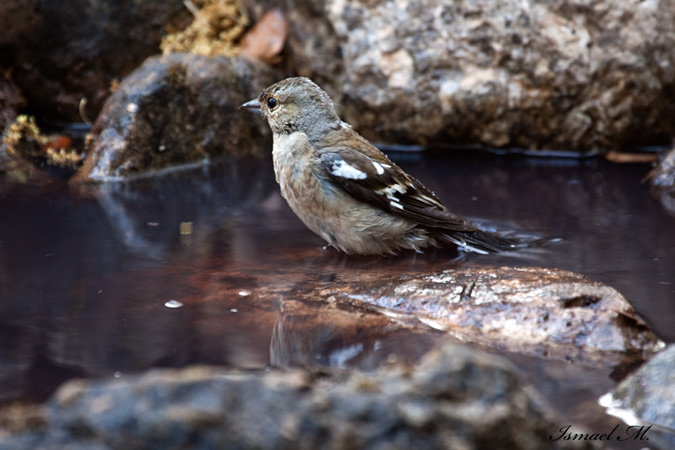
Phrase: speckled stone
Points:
(535, 74)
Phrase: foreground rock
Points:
(663, 181)
(453, 399)
(177, 109)
(647, 397)
(560, 75)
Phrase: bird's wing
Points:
(379, 182)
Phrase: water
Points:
(207, 266)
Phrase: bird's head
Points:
(296, 104)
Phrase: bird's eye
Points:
(272, 102)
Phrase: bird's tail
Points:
(482, 241)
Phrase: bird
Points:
(346, 190)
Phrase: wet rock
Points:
(63, 52)
(520, 309)
(177, 109)
(453, 399)
(562, 75)
(647, 397)
(663, 181)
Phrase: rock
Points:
(560, 75)
(526, 310)
(663, 181)
(647, 397)
(177, 109)
(63, 52)
(454, 398)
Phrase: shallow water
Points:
(165, 271)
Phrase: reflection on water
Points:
(84, 283)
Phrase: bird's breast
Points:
(294, 165)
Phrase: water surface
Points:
(165, 271)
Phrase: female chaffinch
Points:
(346, 190)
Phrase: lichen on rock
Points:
(23, 148)
(217, 27)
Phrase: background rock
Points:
(177, 109)
(453, 399)
(536, 74)
(63, 52)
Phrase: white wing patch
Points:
(378, 167)
(341, 169)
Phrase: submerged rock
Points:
(177, 109)
(454, 398)
(562, 75)
(647, 397)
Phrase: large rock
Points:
(453, 399)
(647, 397)
(177, 109)
(61, 52)
(527, 310)
(533, 74)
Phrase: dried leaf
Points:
(266, 39)
(622, 157)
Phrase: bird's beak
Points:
(253, 106)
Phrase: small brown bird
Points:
(347, 191)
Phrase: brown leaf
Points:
(266, 39)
